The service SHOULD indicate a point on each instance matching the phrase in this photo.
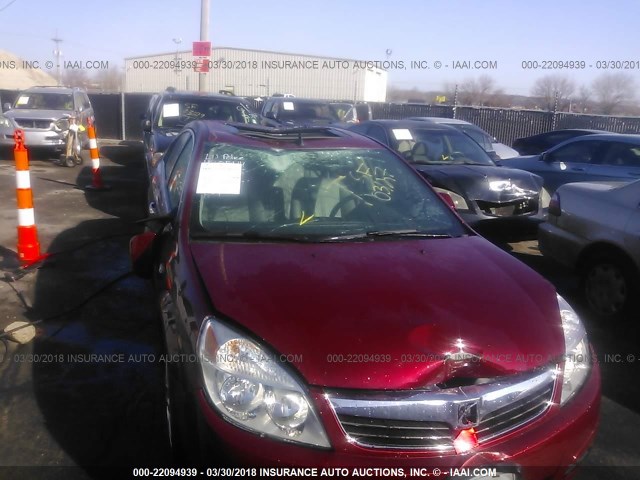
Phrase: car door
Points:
(619, 161)
(569, 162)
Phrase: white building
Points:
(260, 73)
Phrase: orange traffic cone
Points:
(28, 245)
(96, 184)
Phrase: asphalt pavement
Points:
(88, 390)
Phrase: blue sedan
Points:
(590, 158)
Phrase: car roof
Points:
(294, 138)
(445, 120)
(617, 137)
(179, 94)
(299, 100)
(412, 124)
(52, 89)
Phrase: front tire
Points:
(609, 285)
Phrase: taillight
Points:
(554, 205)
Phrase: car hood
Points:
(37, 114)
(386, 314)
(479, 182)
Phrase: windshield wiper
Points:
(388, 233)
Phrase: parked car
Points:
(40, 110)
(323, 306)
(536, 144)
(346, 111)
(593, 228)
(300, 111)
(171, 110)
(488, 142)
(589, 158)
(455, 164)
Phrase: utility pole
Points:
(57, 53)
(204, 37)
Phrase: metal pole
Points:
(455, 101)
(124, 125)
(204, 36)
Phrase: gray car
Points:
(38, 110)
(590, 158)
(594, 228)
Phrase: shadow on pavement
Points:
(88, 390)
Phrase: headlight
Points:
(458, 201)
(577, 361)
(252, 390)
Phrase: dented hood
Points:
(386, 314)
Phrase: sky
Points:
(504, 33)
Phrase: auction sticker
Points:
(219, 178)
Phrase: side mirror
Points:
(146, 125)
(6, 106)
(142, 246)
(270, 115)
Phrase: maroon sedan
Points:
(324, 307)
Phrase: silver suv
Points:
(43, 112)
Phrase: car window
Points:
(176, 113)
(622, 155)
(315, 193)
(426, 146)
(171, 155)
(44, 101)
(378, 133)
(576, 152)
(483, 139)
(178, 174)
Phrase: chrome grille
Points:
(515, 414)
(519, 207)
(33, 123)
(376, 432)
(430, 419)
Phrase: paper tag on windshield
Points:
(171, 110)
(287, 105)
(219, 178)
(402, 134)
(22, 100)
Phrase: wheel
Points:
(68, 161)
(609, 285)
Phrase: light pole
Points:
(177, 41)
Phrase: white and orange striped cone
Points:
(28, 245)
(96, 184)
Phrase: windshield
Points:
(438, 147)
(44, 101)
(319, 195)
(177, 113)
(483, 139)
